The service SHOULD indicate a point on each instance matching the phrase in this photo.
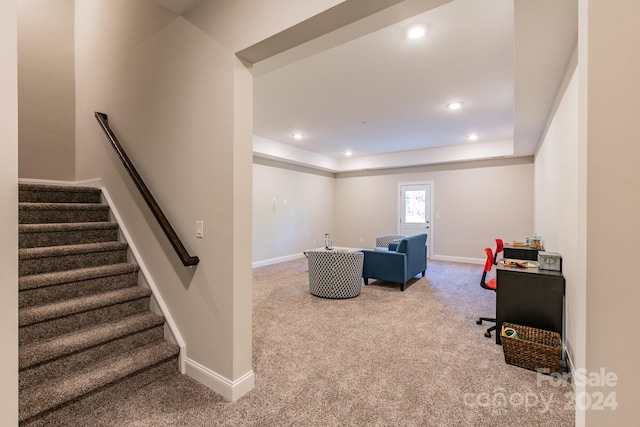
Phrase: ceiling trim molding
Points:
(463, 165)
(274, 150)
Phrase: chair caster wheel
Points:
(487, 334)
(479, 322)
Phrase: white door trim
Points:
(431, 211)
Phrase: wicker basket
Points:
(535, 349)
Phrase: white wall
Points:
(609, 93)
(299, 224)
(476, 202)
(9, 212)
(46, 89)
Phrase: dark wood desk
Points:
(529, 297)
(521, 252)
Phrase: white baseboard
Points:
(433, 257)
(577, 390)
(569, 360)
(229, 390)
(276, 260)
(92, 182)
(148, 281)
(458, 259)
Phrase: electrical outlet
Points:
(361, 240)
(200, 229)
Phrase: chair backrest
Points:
(417, 242)
(487, 266)
(415, 249)
(499, 248)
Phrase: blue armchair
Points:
(399, 266)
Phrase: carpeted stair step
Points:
(86, 332)
(42, 213)
(40, 193)
(56, 347)
(45, 288)
(52, 394)
(47, 321)
(56, 234)
(103, 398)
(60, 258)
(64, 354)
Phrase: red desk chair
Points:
(499, 248)
(490, 285)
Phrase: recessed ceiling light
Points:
(297, 136)
(348, 153)
(417, 32)
(454, 105)
(472, 137)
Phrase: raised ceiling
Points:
(383, 97)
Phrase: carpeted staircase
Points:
(85, 324)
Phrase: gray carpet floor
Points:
(385, 358)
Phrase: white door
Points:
(415, 210)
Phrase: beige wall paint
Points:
(557, 208)
(474, 201)
(242, 231)
(168, 89)
(307, 215)
(9, 212)
(181, 104)
(46, 89)
(610, 97)
(477, 202)
(238, 24)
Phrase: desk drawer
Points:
(526, 254)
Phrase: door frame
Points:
(431, 238)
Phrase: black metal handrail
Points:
(187, 260)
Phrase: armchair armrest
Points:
(386, 266)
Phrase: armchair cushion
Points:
(399, 266)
